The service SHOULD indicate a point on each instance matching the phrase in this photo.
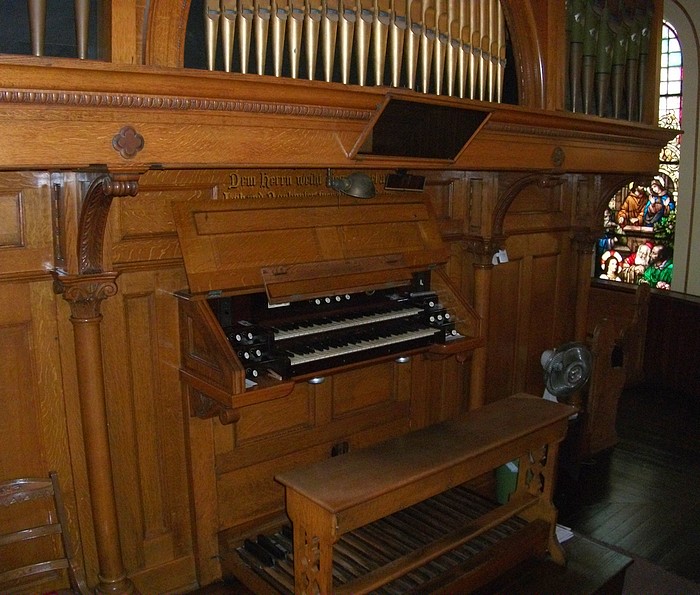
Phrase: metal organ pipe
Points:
(444, 47)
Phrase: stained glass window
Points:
(640, 219)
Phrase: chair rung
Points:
(32, 569)
(32, 533)
(53, 535)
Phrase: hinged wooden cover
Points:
(299, 248)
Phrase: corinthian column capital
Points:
(483, 249)
(85, 293)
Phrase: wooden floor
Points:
(643, 495)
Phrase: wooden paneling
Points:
(673, 343)
(143, 228)
(21, 398)
(144, 403)
(26, 245)
(357, 390)
(33, 421)
(504, 328)
(294, 412)
(177, 479)
(626, 307)
(303, 426)
(531, 295)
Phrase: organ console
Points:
(362, 284)
(325, 287)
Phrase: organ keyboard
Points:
(331, 331)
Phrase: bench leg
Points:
(313, 547)
(537, 476)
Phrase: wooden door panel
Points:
(531, 310)
(25, 232)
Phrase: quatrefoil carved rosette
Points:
(127, 142)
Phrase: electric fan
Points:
(566, 369)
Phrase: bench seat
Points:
(335, 496)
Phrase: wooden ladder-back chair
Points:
(28, 577)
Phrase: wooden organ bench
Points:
(334, 497)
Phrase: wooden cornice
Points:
(65, 114)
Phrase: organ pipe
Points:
(443, 47)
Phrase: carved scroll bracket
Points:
(94, 213)
(507, 196)
(204, 407)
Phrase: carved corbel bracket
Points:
(204, 407)
(94, 213)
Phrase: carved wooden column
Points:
(482, 251)
(85, 290)
(85, 294)
(584, 244)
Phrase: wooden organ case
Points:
(299, 332)
(339, 270)
(128, 259)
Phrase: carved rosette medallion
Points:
(85, 293)
(558, 157)
(127, 142)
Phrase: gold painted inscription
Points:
(283, 183)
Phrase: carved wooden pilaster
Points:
(482, 251)
(85, 292)
(584, 244)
